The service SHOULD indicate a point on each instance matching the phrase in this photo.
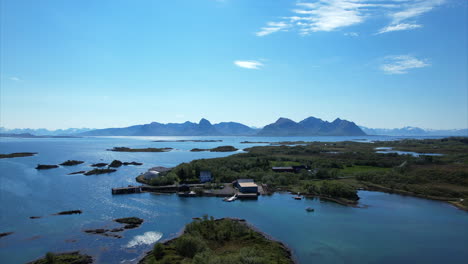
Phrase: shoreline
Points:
(452, 201)
(289, 250)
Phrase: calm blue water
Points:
(391, 229)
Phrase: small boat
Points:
(230, 199)
(310, 209)
(297, 198)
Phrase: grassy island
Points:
(336, 170)
(217, 149)
(227, 241)
(64, 258)
(17, 155)
(125, 149)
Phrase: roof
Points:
(245, 180)
(282, 168)
(247, 184)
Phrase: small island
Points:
(225, 240)
(129, 223)
(125, 149)
(17, 155)
(67, 257)
(46, 167)
(217, 149)
(71, 163)
(99, 171)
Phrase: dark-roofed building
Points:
(289, 169)
(283, 169)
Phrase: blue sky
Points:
(115, 63)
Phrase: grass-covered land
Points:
(125, 149)
(222, 241)
(17, 155)
(338, 169)
(64, 258)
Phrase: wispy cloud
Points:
(398, 27)
(351, 34)
(272, 27)
(255, 65)
(14, 78)
(330, 15)
(401, 64)
(404, 18)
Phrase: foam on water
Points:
(146, 239)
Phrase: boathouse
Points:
(246, 186)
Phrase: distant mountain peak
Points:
(204, 122)
(284, 120)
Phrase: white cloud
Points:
(398, 27)
(330, 15)
(401, 64)
(271, 28)
(409, 10)
(249, 64)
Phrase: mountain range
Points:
(310, 126)
(203, 128)
(282, 127)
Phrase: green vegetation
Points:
(17, 155)
(64, 258)
(337, 169)
(223, 241)
(125, 149)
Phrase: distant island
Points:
(217, 149)
(125, 149)
(28, 135)
(17, 155)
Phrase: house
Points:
(246, 186)
(205, 176)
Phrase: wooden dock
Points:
(126, 190)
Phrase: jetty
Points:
(126, 190)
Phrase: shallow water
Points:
(392, 228)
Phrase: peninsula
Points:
(223, 240)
